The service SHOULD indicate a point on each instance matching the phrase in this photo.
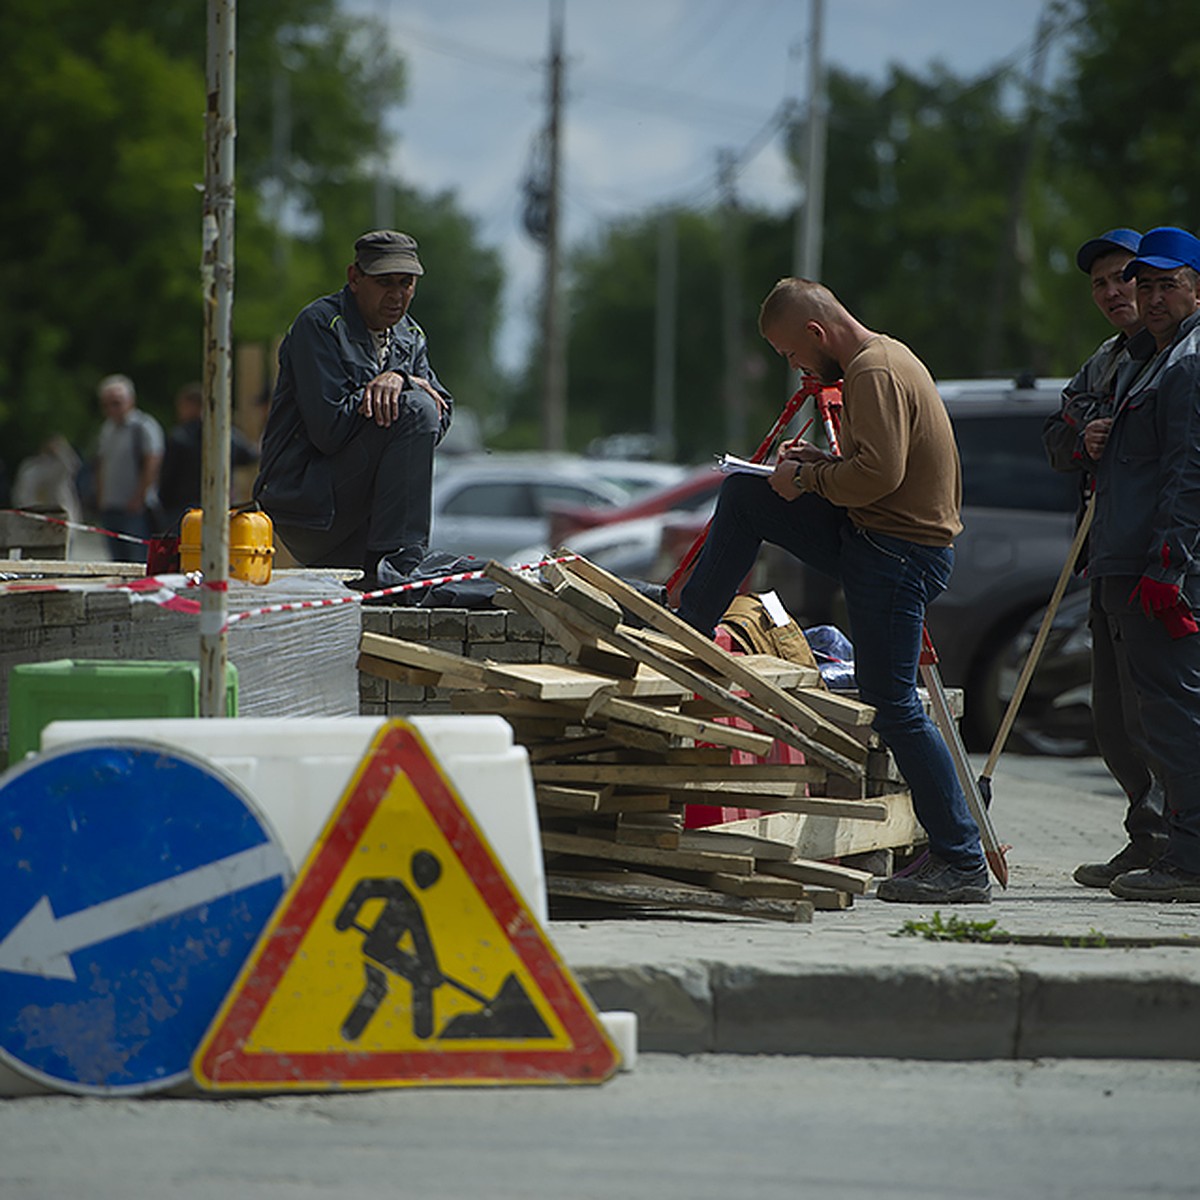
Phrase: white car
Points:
(492, 506)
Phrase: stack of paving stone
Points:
(644, 718)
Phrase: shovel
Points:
(1035, 651)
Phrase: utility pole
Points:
(1013, 260)
(385, 207)
(554, 366)
(665, 318)
(733, 394)
(809, 241)
(217, 277)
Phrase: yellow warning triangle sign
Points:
(402, 955)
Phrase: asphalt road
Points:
(717, 1127)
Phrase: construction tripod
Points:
(828, 401)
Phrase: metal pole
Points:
(217, 277)
(732, 385)
(554, 386)
(664, 336)
(814, 199)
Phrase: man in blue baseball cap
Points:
(1145, 544)
(1084, 419)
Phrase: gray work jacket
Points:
(1087, 397)
(325, 361)
(1148, 482)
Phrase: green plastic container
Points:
(87, 689)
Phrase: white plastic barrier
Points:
(297, 768)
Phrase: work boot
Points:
(1100, 875)
(1164, 881)
(938, 882)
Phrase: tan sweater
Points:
(899, 473)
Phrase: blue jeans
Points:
(887, 584)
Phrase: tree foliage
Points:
(102, 113)
(953, 211)
(1129, 108)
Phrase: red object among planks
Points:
(697, 816)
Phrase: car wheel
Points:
(1055, 716)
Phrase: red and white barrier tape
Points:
(164, 590)
(120, 537)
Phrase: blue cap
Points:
(1106, 243)
(1165, 248)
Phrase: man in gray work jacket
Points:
(1145, 543)
(1115, 715)
(347, 454)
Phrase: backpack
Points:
(750, 624)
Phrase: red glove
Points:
(1154, 595)
(1178, 620)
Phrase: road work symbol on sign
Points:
(509, 1014)
(402, 955)
(136, 880)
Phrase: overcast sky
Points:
(654, 90)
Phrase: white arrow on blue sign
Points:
(136, 880)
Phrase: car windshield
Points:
(1004, 465)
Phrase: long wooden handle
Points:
(1035, 651)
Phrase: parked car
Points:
(492, 505)
(1018, 518)
(632, 540)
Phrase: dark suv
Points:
(1018, 518)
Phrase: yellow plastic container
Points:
(251, 544)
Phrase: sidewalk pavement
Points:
(847, 985)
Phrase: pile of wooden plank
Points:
(651, 716)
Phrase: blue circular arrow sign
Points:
(136, 880)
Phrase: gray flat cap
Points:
(386, 252)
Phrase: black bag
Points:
(466, 593)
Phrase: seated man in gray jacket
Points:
(347, 453)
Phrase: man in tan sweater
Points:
(881, 520)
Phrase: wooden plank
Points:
(655, 775)
(545, 681)
(764, 692)
(618, 801)
(829, 899)
(560, 748)
(580, 594)
(844, 710)
(572, 799)
(824, 836)
(634, 737)
(635, 712)
(384, 669)
(585, 649)
(672, 722)
(675, 897)
(502, 704)
(693, 681)
(780, 671)
(762, 887)
(413, 654)
(793, 807)
(805, 870)
(643, 835)
(591, 847)
(762, 849)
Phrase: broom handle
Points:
(1043, 632)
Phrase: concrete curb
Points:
(956, 1012)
